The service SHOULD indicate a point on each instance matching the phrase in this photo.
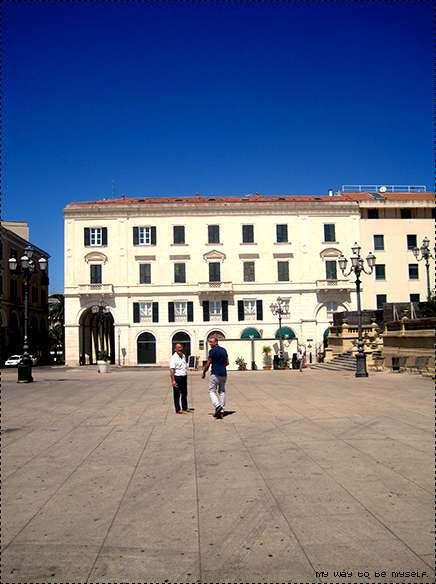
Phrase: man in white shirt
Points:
(179, 379)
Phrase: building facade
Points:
(14, 239)
(141, 274)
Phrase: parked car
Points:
(14, 360)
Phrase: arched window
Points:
(185, 340)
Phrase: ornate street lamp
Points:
(280, 308)
(26, 266)
(358, 266)
(423, 253)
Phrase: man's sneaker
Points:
(219, 412)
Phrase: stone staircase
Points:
(342, 362)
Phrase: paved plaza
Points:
(309, 474)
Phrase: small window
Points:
(249, 272)
(214, 272)
(381, 300)
(95, 273)
(372, 213)
(181, 309)
(95, 236)
(380, 272)
(331, 272)
(145, 273)
(282, 233)
(411, 241)
(379, 242)
(179, 273)
(179, 234)
(329, 232)
(144, 235)
(283, 271)
(413, 272)
(414, 298)
(248, 234)
(213, 233)
(406, 213)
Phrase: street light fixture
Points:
(26, 266)
(280, 308)
(358, 266)
(423, 253)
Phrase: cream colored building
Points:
(142, 273)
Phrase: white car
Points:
(14, 360)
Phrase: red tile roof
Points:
(203, 199)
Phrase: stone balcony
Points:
(337, 285)
(215, 288)
(96, 289)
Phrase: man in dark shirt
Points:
(219, 360)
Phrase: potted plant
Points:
(242, 365)
(267, 361)
(102, 362)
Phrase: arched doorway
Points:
(146, 348)
(218, 334)
(185, 340)
(96, 335)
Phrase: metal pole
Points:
(119, 347)
(427, 267)
(25, 364)
(360, 357)
(253, 364)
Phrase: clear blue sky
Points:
(211, 97)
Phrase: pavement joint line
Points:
(54, 443)
(362, 504)
(272, 494)
(57, 490)
(120, 503)
(200, 567)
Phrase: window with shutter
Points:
(249, 272)
(413, 272)
(241, 314)
(94, 236)
(95, 273)
(329, 232)
(331, 270)
(250, 309)
(155, 312)
(381, 299)
(225, 309)
(206, 313)
(213, 234)
(259, 310)
(283, 271)
(411, 241)
(380, 271)
(145, 273)
(190, 311)
(379, 242)
(282, 233)
(178, 234)
(214, 272)
(179, 273)
(247, 234)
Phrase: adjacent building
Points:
(14, 237)
(144, 273)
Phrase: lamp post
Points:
(358, 266)
(280, 308)
(423, 253)
(253, 362)
(26, 266)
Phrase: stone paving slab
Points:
(309, 474)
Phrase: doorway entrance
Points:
(185, 340)
(146, 348)
(96, 335)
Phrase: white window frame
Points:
(144, 235)
(145, 311)
(95, 236)
(181, 309)
(250, 309)
(215, 308)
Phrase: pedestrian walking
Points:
(219, 360)
(301, 356)
(179, 379)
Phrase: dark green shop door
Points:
(146, 348)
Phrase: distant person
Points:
(301, 356)
(179, 379)
(219, 360)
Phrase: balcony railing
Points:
(335, 284)
(215, 286)
(96, 289)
